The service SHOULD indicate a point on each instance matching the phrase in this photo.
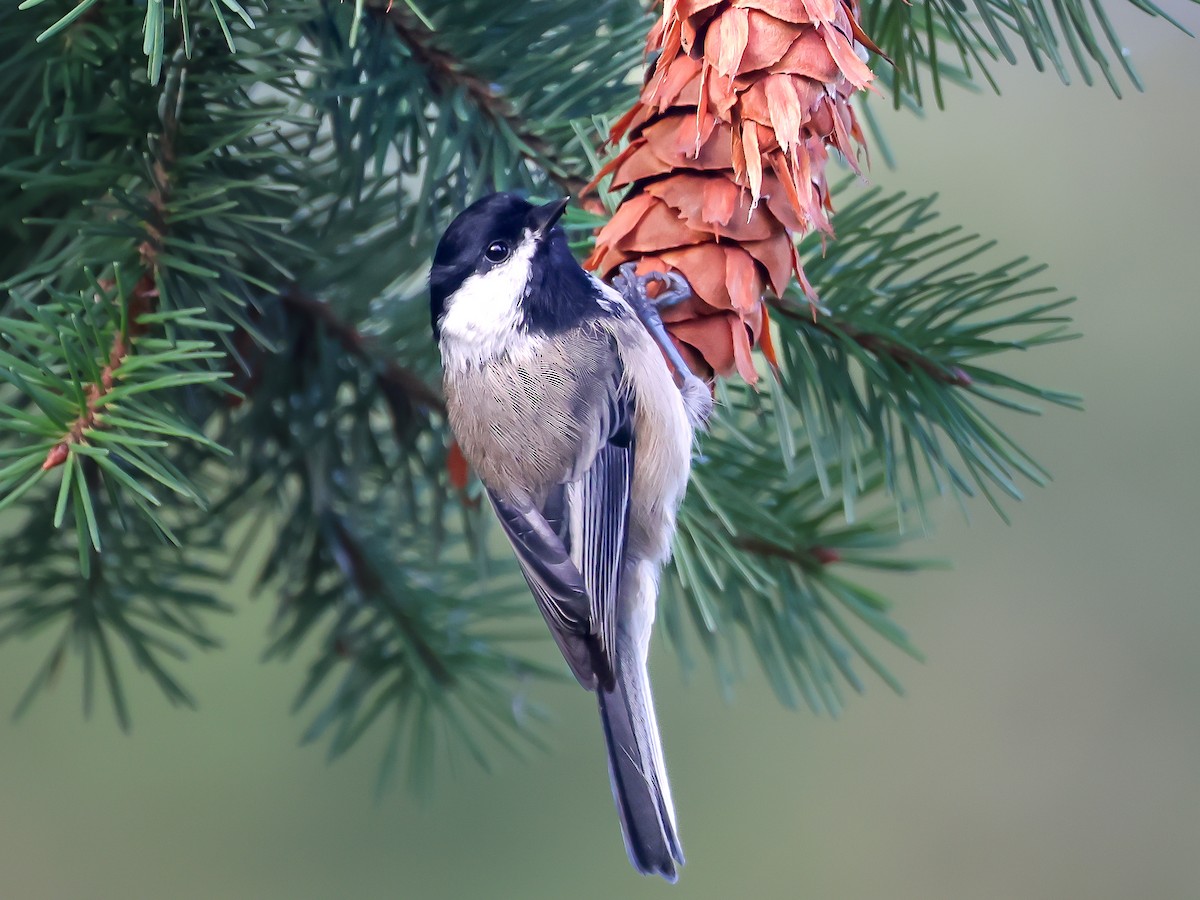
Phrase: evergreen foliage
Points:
(216, 223)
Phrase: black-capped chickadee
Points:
(563, 405)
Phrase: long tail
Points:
(635, 765)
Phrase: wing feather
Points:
(554, 581)
(598, 521)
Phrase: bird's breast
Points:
(520, 417)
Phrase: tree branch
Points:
(878, 345)
(398, 384)
(447, 72)
(144, 296)
(356, 566)
(805, 557)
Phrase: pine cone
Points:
(727, 157)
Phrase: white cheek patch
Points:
(482, 316)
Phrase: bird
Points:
(563, 405)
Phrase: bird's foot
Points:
(633, 287)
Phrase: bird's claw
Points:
(696, 396)
(676, 288)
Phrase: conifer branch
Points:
(143, 298)
(805, 557)
(394, 380)
(447, 72)
(96, 392)
(908, 357)
(371, 586)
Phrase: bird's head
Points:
(502, 268)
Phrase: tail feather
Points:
(635, 765)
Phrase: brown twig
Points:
(806, 557)
(446, 72)
(144, 296)
(140, 301)
(356, 565)
(398, 384)
(879, 346)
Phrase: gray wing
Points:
(597, 520)
(555, 582)
(571, 548)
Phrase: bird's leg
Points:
(696, 395)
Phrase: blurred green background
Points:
(1049, 748)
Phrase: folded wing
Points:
(571, 547)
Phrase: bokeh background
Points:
(1048, 748)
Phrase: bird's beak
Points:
(542, 218)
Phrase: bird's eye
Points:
(497, 251)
